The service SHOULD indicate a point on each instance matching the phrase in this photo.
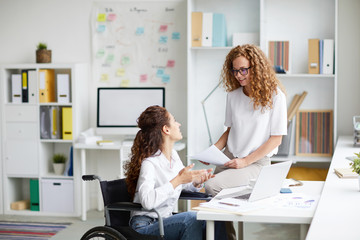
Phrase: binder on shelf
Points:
(45, 127)
(321, 55)
(196, 29)
(328, 58)
(46, 85)
(67, 123)
(25, 86)
(313, 64)
(32, 80)
(34, 195)
(207, 29)
(16, 89)
(279, 52)
(63, 88)
(55, 122)
(219, 36)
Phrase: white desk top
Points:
(338, 211)
(273, 214)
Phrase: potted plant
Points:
(43, 55)
(355, 165)
(59, 163)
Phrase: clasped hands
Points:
(197, 177)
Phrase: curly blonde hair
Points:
(148, 141)
(263, 82)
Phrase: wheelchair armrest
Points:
(129, 206)
(188, 195)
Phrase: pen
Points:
(230, 204)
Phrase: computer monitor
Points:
(119, 108)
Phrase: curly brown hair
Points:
(148, 141)
(264, 82)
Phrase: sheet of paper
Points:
(212, 155)
(232, 205)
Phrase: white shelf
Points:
(304, 75)
(304, 159)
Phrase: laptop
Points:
(268, 183)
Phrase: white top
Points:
(251, 128)
(337, 214)
(154, 189)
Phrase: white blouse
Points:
(154, 190)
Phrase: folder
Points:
(196, 29)
(207, 29)
(25, 84)
(32, 80)
(45, 127)
(321, 55)
(328, 59)
(46, 85)
(219, 30)
(67, 123)
(63, 88)
(313, 64)
(34, 195)
(55, 122)
(16, 89)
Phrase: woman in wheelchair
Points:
(155, 176)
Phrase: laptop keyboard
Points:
(245, 196)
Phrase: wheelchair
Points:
(117, 208)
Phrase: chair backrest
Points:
(116, 191)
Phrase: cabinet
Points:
(295, 21)
(26, 153)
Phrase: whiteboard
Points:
(137, 43)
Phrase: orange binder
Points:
(47, 85)
(314, 59)
(67, 133)
(196, 29)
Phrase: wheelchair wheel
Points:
(102, 233)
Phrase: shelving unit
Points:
(26, 155)
(273, 20)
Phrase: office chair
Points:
(117, 208)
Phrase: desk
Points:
(270, 214)
(117, 146)
(337, 214)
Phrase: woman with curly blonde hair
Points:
(256, 117)
(155, 176)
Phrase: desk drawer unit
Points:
(57, 195)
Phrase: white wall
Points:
(348, 65)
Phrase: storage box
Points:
(20, 205)
(57, 195)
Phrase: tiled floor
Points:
(252, 231)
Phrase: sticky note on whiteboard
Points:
(163, 39)
(170, 63)
(163, 28)
(175, 36)
(143, 78)
(111, 17)
(139, 31)
(101, 17)
(120, 72)
(165, 78)
(101, 28)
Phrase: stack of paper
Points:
(345, 173)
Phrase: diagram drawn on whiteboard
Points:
(135, 43)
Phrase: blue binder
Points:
(219, 30)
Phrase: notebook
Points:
(268, 183)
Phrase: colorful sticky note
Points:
(160, 72)
(100, 53)
(143, 78)
(120, 72)
(163, 28)
(124, 83)
(111, 17)
(163, 39)
(170, 63)
(125, 60)
(139, 31)
(175, 35)
(101, 17)
(104, 77)
(165, 78)
(110, 58)
(101, 28)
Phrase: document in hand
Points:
(212, 155)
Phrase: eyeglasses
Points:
(242, 71)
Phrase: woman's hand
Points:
(187, 176)
(203, 178)
(237, 163)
